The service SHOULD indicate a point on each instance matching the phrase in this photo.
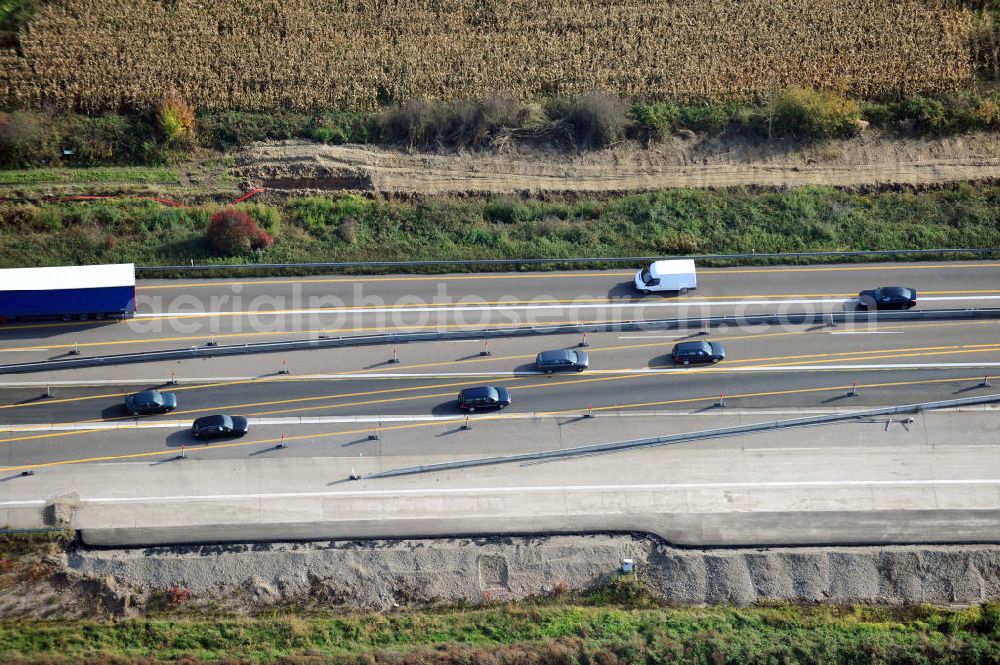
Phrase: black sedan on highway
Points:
(484, 397)
(562, 360)
(887, 297)
(219, 426)
(688, 353)
(150, 401)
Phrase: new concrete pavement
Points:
(933, 479)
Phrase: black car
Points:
(561, 361)
(887, 297)
(485, 397)
(687, 353)
(150, 401)
(214, 427)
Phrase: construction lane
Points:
(932, 479)
(178, 314)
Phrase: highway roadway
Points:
(191, 312)
(314, 413)
(353, 390)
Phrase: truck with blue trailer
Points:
(68, 292)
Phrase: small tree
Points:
(175, 118)
(232, 232)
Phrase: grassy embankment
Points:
(663, 223)
(552, 631)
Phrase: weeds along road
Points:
(185, 313)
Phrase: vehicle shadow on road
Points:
(116, 412)
(183, 438)
(624, 291)
(449, 408)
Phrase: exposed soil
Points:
(383, 575)
(872, 159)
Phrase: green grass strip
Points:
(81, 176)
(777, 634)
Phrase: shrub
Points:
(176, 119)
(596, 120)
(655, 122)
(410, 123)
(814, 114)
(26, 139)
(709, 119)
(232, 232)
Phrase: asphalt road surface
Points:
(353, 390)
(179, 314)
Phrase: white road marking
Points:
(652, 336)
(692, 302)
(869, 332)
(720, 368)
(383, 494)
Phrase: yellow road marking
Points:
(752, 336)
(322, 435)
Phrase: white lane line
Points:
(383, 494)
(721, 368)
(693, 302)
(869, 332)
(34, 348)
(652, 336)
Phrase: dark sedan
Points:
(485, 397)
(888, 297)
(150, 401)
(562, 360)
(215, 427)
(687, 353)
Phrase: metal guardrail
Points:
(567, 261)
(684, 437)
(489, 333)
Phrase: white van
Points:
(677, 275)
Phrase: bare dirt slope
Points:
(872, 159)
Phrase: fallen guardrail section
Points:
(706, 323)
(618, 446)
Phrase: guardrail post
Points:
(486, 348)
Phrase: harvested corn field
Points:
(306, 54)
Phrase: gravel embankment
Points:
(384, 574)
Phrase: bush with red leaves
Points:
(231, 232)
